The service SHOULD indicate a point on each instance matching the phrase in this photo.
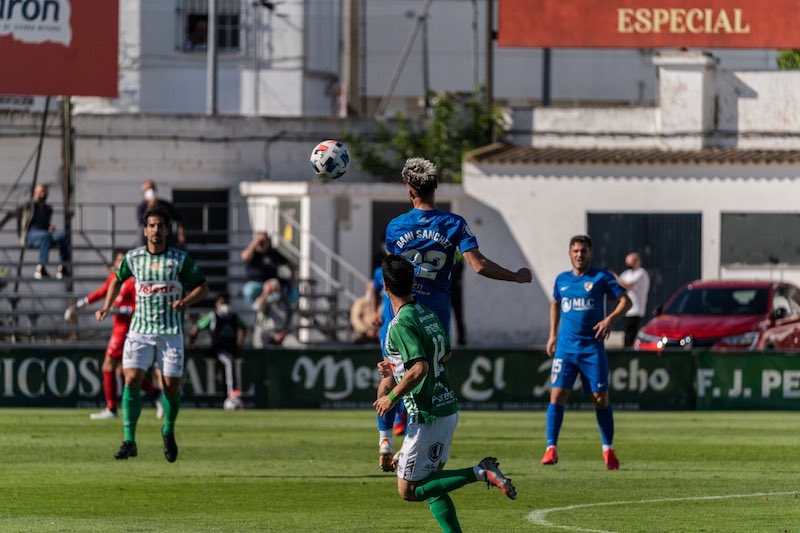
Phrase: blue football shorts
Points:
(592, 367)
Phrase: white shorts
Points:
(166, 350)
(425, 447)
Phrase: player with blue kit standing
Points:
(579, 306)
(429, 237)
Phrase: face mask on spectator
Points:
(149, 194)
(223, 310)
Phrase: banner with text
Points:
(59, 47)
(483, 379)
(748, 381)
(649, 24)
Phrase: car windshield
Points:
(719, 301)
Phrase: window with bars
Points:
(191, 21)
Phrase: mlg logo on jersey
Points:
(36, 21)
(577, 304)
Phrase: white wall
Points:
(545, 206)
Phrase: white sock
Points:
(553, 446)
(607, 447)
(480, 473)
(385, 434)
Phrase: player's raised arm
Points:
(486, 267)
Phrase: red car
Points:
(726, 315)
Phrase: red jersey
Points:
(125, 298)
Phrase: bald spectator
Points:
(636, 281)
(175, 238)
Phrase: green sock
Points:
(445, 513)
(171, 406)
(131, 409)
(444, 481)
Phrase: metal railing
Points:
(98, 229)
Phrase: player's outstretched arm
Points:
(486, 267)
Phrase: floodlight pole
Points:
(491, 35)
(211, 59)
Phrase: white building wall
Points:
(545, 206)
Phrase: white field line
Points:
(539, 517)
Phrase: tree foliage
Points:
(789, 59)
(456, 125)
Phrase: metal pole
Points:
(257, 59)
(68, 167)
(546, 68)
(490, 36)
(475, 62)
(426, 75)
(211, 59)
(403, 58)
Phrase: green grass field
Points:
(317, 471)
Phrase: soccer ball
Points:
(232, 403)
(330, 159)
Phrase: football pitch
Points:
(276, 470)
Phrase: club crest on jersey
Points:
(588, 285)
(566, 305)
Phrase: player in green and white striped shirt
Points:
(168, 281)
(414, 371)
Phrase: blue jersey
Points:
(386, 312)
(429, 239)
(582, 301)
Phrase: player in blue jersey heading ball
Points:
(429, 237)
(577, 346)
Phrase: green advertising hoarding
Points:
(483, 379)
(346, 378)
(748, 381)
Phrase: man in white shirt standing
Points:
(636, 281)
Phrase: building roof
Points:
(526, 155)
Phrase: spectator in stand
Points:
(177, 238)
(35, 229)
(262, 262)
(227, 336)
(361, 318)
(122, 310)
(273, 315)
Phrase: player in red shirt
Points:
(123, 309)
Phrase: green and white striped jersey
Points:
(416, 333)
(161, 279)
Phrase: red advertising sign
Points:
(649, 23)
(59, 47)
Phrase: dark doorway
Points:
(669, 243)
(205, 219)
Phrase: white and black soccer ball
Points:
(330, 159)
(233, 403)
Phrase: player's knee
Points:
(601, 400)
(406, 491)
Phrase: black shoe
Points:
(170, 447)
(128, 449)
